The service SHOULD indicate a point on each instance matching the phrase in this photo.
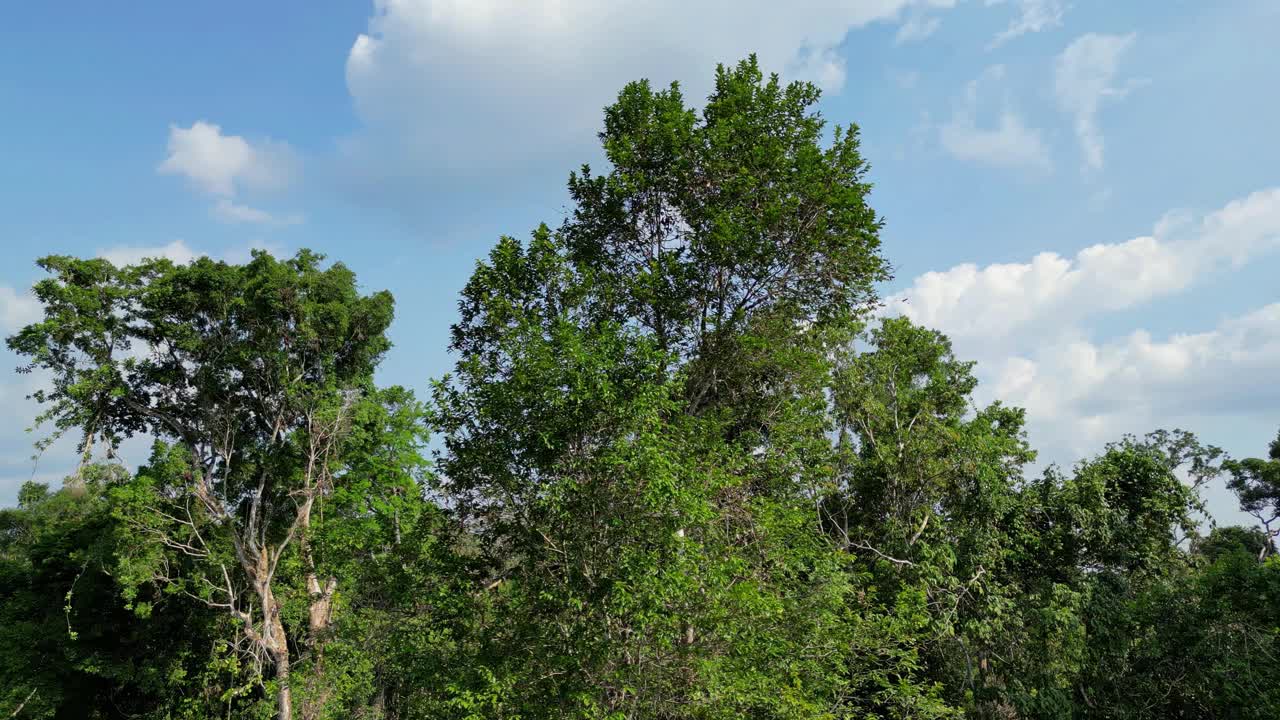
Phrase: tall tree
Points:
(926, 481)
(639, 425)
(252, 378)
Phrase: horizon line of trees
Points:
(683, 472)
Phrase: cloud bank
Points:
(1026, 325)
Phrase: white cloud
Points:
(1080, 393)
(1225, 369)
(224, 164)
(1033, 16)
(1013, 299)
(17, 310)
(450, 90)
(180, 253)
(229, 165)
(918, 27)
(1027, 326)
(177, 251)
(229, 211)
(1084, 75)
(1010, 143)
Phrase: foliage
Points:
(68, 642)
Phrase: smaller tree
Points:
(1092, 554)
(252, 378)
(1256, 481)
(1232, 539)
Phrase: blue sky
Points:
(1083, 194)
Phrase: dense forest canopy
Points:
(683, 468)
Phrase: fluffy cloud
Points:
(229, 165)
(1229, 369)
(1033, 16)
(1007, 144)
(456, 90)
(222, 164)
(16, 309)
(1081, 393)
(1013, 299)
(1084, 76)
(1025, 325)
(177, 251)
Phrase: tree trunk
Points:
(285, 694)
(321, 607)
(277, 646)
